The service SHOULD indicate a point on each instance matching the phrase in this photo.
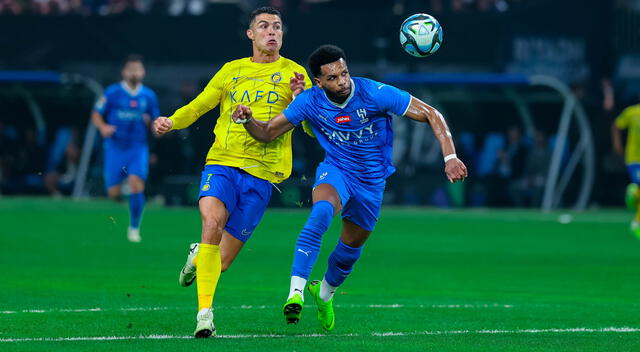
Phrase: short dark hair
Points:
(131, 58)
(260, 10)
(325, 54)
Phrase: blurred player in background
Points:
(236, 182)
(351, 118)
(123, 116)
(630, 119)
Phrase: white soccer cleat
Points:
(188, 272)
(205, 327)
(133, 235)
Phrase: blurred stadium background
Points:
(58, 54)
(529, 87)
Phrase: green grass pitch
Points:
(428, 280)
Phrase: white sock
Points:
(326, 290)
(297, 286)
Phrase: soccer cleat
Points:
(293, 309)
(635, 228)
(205, 327)
(325, 309)
(631, 197)
(188, 272)
(133, 235)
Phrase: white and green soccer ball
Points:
(421, 35)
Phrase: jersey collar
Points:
(341, 106)
(132, 92)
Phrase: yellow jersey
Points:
(630, 119)
(264, 87)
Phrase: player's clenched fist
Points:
(162, 125)
(455, 170)
(242, 114)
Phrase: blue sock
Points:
(341, 263)
(308, 244)
(136, 205)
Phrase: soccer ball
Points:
(420, 35)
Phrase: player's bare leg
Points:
(114, 192)
(209, 263)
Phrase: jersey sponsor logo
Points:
(360, 136)
(343, 119)
(276, 77)
(133, 103)
(247, 97)
(128, 115)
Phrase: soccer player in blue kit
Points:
(351, 118)
(123, 116)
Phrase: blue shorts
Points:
(120, 162)
(245, 196)
(360, 202)
(634, 173)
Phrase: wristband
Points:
(242, 122)
(449, 157)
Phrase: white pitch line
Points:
(150, 309)
(610, 329)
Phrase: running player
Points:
(351, 117)
(123, 116)
(630, 119)
(236, 182)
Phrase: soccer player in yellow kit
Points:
(630, 119)
(236, 182)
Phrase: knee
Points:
(136, 184)
(321, 215)
(211, 225)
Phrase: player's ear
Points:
(250, 34)
(318, 83)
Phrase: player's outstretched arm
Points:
(421, 111)
(263, 131)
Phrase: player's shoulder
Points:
(148, 91)
(232, 66)
(307, 95)
(633, 109)
(113, 88)
(294, 66)
(367, 84)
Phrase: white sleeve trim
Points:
(408, 105)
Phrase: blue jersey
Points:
(129, 111)
(356, 135)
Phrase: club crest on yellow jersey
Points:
(276, 77)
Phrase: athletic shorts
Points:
(360, 202)
(634, 172)
(120, 162)
(245, 196)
